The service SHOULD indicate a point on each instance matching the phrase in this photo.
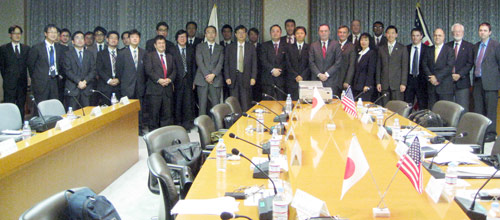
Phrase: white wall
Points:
(277, 11)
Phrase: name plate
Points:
(7, 147)
(96, 111)
(124, 100)
(381, 132)
(296, 154)
(63, 124)
(308, 206)
(401, 149)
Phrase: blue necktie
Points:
(80, 58)
(52, 68)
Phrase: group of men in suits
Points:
(172, 79)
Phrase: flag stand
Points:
(384, 212)
(331, 124)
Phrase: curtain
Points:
(437, 14)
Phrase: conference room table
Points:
(324, 154)
(93, 152)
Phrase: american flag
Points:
(410, 164)
(420, 24)
(347, 100)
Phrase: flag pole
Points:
(376, 185)
(387, 189)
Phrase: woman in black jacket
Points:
(364, 72)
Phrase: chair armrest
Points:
(209, 147)
(186, 177)
(445, 134)
(444, 129)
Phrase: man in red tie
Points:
(160, 71)
(290, 25)
(273, 62)
(325, 58)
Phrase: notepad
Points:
(206, 206)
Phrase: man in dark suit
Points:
(290, 25)
(487, 78)
(349, 52)
(160, 71)
(297, 63)
(184, 56)
(378, 30)
(79, 66)
(437, 66)
(45, 64)
(464, 61)
(253, 38)
(192, 40)
(356, 32)
(89, 41)
(325, 60)
(14, 69)
(417, 79)
(130, 71)
(125, 40)
(161, 29)
(100, 35)
(273, 62)
(227, 35)
(392, 67)
(65, 37)
(108, 82)
(240, 68)
(209, 76)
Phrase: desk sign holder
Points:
(296, 154)
(308, 206)
(63, 124)
(381, 132)
(7, 147)
(124, 100)
(96, 111)
(290, 135)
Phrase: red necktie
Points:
(456, 54)
(163, 66)
(276, 49)
(324, 50)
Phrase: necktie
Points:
(456, 55)
(136, 60)
(191, 42)
(17, 51)
(390, 49)
(479, 60)
(163, 66)
(52, 69)
(210, 49)
(436, 53)
(323, 49)
(414, 64)
(378, 41)
(183, 55)
(300, 49)
(100, 47)
(276, 49)
(80, 58)
(355, 39)
(113, 62)
(240, 59)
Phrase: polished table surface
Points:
(324, 154)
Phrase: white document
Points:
(308, 206)
(477, 171)
(206, 206)
(7, 147)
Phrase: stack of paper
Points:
(206, 206)
(461, 153)
(477, 171)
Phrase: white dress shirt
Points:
(47, 46)
(412, 52)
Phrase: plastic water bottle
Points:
(114, 100)
(221, 155)
(288, 106)
(396, 130)
(70, 114)
(275, 150)
(280, 206)
(359, 106)
(380, 118)
(494, 212)
(451, 174)
(26, 130)
(259, 127)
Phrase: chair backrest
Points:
(10, 117)
(400, 107)
(450, 112)
(475, 125)
(205, 127)
(219, 111)
(158, 167)
(496, 147)
(52, 208)
(234, 104)
(51, 107)
(165, 136)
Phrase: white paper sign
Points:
(7, 147)
(296, 154)
(290, 135)
(308, 206)
(434, 188)
(63, 124)
(96, 111)
(401, 148)
(366, 119)
(124, 100)
(381, 132)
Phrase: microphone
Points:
(77, 102)
(44, 126)
(394, 113)
(281, 91)
(282, 128)
(361, 93)
(228, 215)
(264, 150)
(235, 151)
(97, 91)
(249, 116)
(376, 100)
(269, 96)
(471, 212)
(437, 172)
(282, 117)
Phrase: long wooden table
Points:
(93, 152)
(323, 165)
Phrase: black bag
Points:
(188, 154)
(41, 125)
(84, 204)
(230, 119)
(426, 118)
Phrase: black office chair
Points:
(219, 111)
(159, 168)
(52, 208)
(450, 113)
(496, 147)
(205, 127)
(400, 107)
(234, 104)
(159, 139)
(475, 125)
